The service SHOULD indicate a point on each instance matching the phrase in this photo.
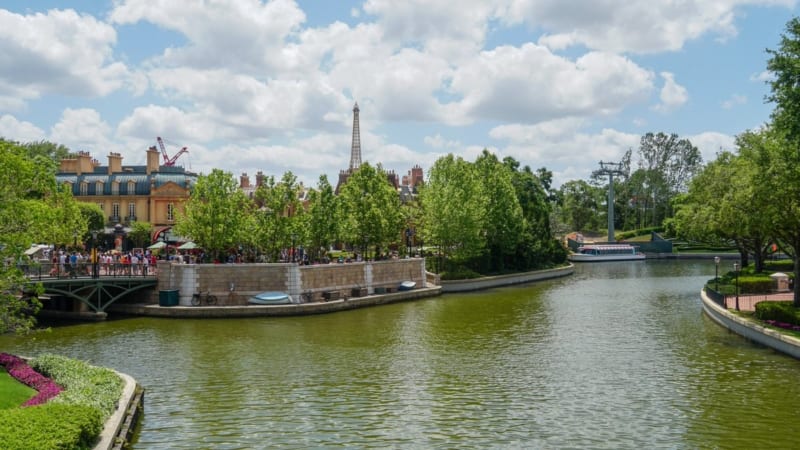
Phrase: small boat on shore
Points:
(407, 285)
(270, 298)
(606, 252)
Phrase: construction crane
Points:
(167, 160)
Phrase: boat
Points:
(606, 252)
(407, 285)
(271, 298)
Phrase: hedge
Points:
(50, 426)
(777, 311)
(74, 418)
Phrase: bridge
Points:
(96, 287)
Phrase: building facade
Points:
(151, 193)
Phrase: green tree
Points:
(780, 159)
(453, 209)
(140, 233)
(279, 221)
(369, 210)
(667, 164)
(33, 206)
(503, 220)
(580, 205)
(216, 216)
(323, 226)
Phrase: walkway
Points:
(748, 302)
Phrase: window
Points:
(131, 187)
(115, 188)
(98, 188)
(115, 209)
(170, 212)
(84, 188)
(131, 209)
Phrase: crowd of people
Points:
(74, 264)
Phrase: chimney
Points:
(85, 163)
(244, 181)
(259, 178)
(152, 160)
(114, 163)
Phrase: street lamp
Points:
(736, 270)
(95, 271)
(294, 238)
(716, 273)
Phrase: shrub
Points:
(50, 426)
(777, 311)
(85, 384)
(755, 284)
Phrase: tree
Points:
(781, 158)
(666, 164)
(279, 222)
(369, 209)
(453, 209)
(140, 233)
(580, 205)
(323, 228)
(785, 88)
(503, 221)
(216, 216)
(34, 209)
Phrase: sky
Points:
(269, 86)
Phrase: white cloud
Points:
(672, 94)
(13, 129)
(639, 26)
(734, 100)
(58, 52)
(242, 35)
(710, 143)
(83, 129)
(438, 142)
(564, 143)
(530, 82)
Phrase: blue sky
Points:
(269, 86)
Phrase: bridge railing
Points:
(84, 269)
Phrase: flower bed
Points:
(19, 369)
(784, 325)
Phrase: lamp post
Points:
(294, 238)
(736, 270)
(716, 273)
(95, 271)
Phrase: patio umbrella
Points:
(188, 246)
(157, 245)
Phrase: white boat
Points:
(407, 285)
(606, 252)
(270, 298)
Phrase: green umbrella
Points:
(188, 246)
(157, 245)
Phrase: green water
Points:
(615, 356)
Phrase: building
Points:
(151, 193)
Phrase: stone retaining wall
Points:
(233, 284)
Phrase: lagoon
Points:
(618, 355)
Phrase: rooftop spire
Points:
(355, 149)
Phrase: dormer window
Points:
(131, 187)
(84, 188)
(98, 188)
(115, 188)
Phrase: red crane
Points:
(167, 160)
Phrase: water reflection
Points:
(616, 356)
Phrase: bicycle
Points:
(198, 298)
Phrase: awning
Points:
(188, 246)
(157, 245)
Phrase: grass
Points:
(12, 392)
